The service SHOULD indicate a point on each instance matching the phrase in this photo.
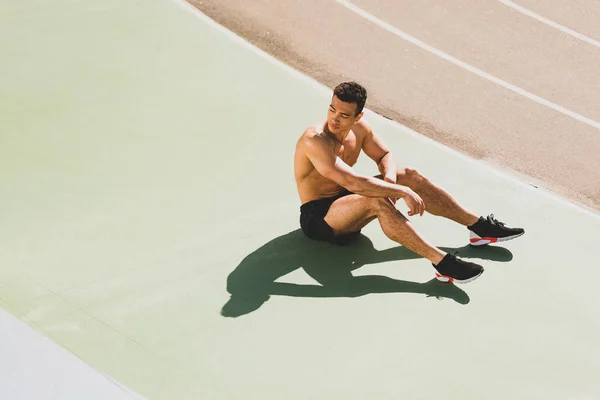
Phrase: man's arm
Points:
(334, 168)
(380, 153)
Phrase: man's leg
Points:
(437, 200)
(351, 213)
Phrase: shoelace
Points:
(494, 221)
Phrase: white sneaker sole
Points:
(445, 278)
(482, 241)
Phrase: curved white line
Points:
(551, 23)
(468, 67)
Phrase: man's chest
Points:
(349, 150)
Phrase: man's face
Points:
(341, 116)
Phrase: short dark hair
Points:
(351, 92)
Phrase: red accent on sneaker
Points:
(444, 276)
(491, 239)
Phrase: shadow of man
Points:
(253, 281)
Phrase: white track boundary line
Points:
(392, 29)
(551, 23)
(305, 78)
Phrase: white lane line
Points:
(327, 90)
(551, 23)
(468, 67)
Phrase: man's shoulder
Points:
(313, 135)
(313, 130)
(314, 143)
(362, 127)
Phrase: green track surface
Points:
(146, 163)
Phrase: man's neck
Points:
(340, 136)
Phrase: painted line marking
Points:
(323, 88)
(468, 67)
(551, 23)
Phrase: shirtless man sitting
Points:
(337, 202)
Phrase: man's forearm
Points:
(388, 168)
(372, 187)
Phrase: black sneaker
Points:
(490, 230)
(452, 269)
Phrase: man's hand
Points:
(414, 203)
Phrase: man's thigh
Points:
(350, 214)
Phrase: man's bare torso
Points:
(310, 183)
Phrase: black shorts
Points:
(312, 220)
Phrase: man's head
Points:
(346, 106)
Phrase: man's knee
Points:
(410, 175)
